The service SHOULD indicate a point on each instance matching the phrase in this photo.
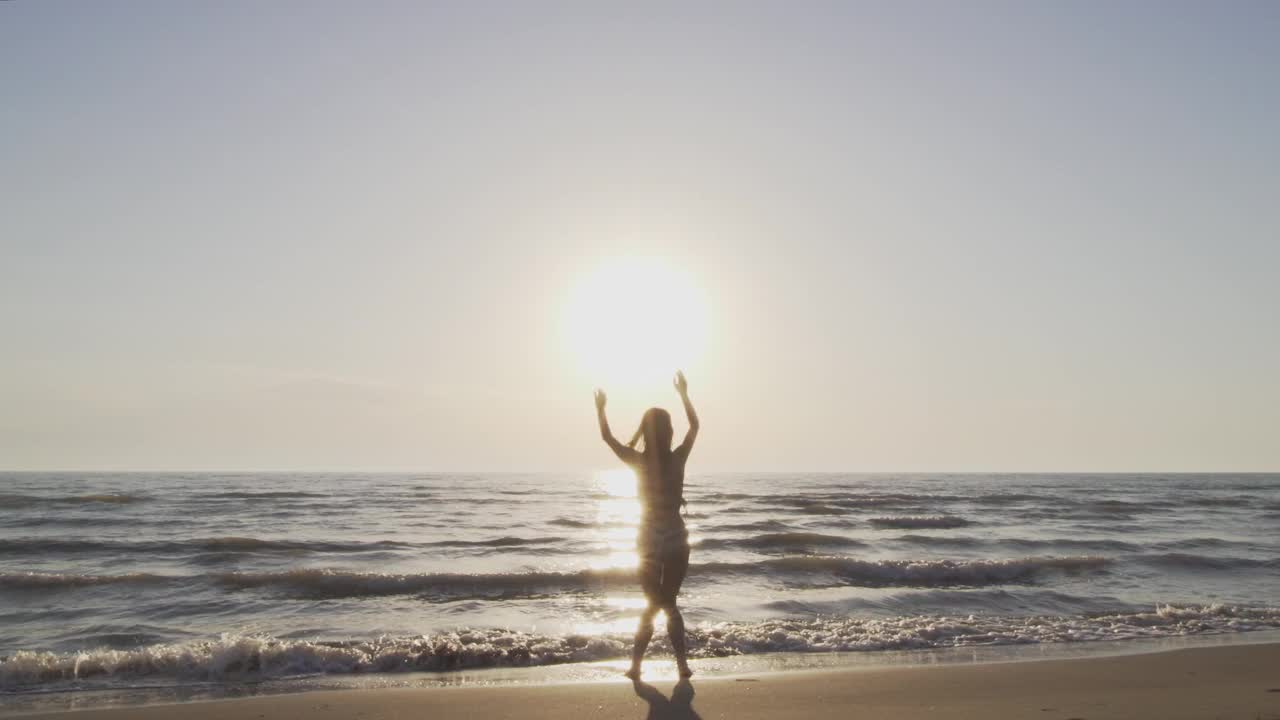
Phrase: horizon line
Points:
(541, 471)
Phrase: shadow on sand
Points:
(678, 707)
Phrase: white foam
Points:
(231, 657)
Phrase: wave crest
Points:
(228, 544)
(326, 583)
(780, 541)
(241, 658)
(919, 521)
(262, 494)
(59, 581)
(13, 500)
(796, 570)
(924, 573)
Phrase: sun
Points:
(634, 321)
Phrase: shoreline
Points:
(1229, 682)
(1223, 668)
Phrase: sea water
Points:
(199, 580)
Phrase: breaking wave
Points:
(800, 570)
(252, 658)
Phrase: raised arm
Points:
(682, 387)
(624, 453)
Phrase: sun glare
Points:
(619, 482)
(633, 321)
(617, 515)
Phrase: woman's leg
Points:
(674, 568)
(651, 583)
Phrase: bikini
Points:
(662, 536)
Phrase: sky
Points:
(917, 236)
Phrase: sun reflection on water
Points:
(626, 603)
(617, 520)
(620, 482)
(617, 517)
(655, 669)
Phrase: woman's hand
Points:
(600, 400)
(682, 385)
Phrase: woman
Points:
(663, 542)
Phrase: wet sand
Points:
(1241, 681)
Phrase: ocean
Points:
(226, 581)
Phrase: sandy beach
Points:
(1218, 682)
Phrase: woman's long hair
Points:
(655, 430)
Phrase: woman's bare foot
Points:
(633, 673)
(685, 671)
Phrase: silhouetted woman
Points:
(663, 542)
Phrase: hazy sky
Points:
(930, 236)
